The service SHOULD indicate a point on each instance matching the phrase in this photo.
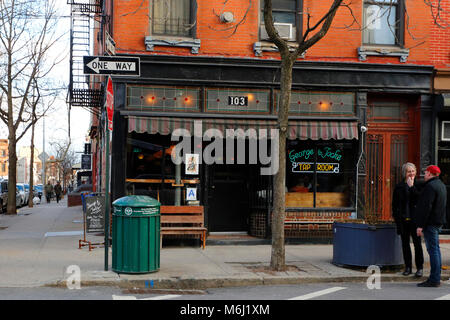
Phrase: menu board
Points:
(95, 208)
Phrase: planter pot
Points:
(356, 244)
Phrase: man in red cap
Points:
(430, 217)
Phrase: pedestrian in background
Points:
(48, 191)
(404, 201)
(58, 191)
(430, 219)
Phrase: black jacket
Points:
(404, 201)
(431, 204)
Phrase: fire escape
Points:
(84, 90)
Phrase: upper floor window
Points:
(172, 17)
(383, 22)
(285, 17)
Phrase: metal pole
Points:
(178, 182)
(43, 151)
(107, 201)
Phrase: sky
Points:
(56, 123)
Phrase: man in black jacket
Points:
(430, 216)
(404, 200)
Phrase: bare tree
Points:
(27, 33)
(65, 159)
(33, 102)
(311, 36)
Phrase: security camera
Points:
(363, 129)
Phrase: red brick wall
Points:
(131, 25)
(440, 41)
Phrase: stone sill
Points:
(152, 41)
(265, 46)
(383, 51)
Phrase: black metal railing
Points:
(86, 6)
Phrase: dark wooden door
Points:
(392, 140)
(228, 198)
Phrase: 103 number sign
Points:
(240, 101)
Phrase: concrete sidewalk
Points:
(39, 244)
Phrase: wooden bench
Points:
(182, 220)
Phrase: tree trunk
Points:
(279, 190)
(12, 169)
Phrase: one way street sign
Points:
(119, 66)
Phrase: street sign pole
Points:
(108, 127)
(107, 199)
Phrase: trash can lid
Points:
(136, 201)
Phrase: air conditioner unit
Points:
(285, 30)
(445, 131)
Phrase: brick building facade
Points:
(4, 145)
(362, 103)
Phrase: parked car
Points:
(18, 198)
(22, 194)
(27, 192)
(3, 195)
(38, 191)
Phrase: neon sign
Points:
(308, 167)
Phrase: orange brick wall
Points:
(440, 43)
(131, 26)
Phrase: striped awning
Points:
(298, 129)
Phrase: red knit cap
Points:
(434, 170)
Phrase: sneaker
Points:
(419, 273)
(428, 284)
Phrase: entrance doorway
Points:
(228, 198)
(392, 140)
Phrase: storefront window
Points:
(151, 171)
(320, 174)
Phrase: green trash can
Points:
(136, 235)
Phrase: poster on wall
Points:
(192, 164)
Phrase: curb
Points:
(202, 284)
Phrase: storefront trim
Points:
(301, 130)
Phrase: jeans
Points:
(431, 235)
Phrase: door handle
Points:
(388, 183)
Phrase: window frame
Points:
(192, 18)
(399, 36)
(298, 19)
(315, 175)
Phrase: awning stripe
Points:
(298, 129)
